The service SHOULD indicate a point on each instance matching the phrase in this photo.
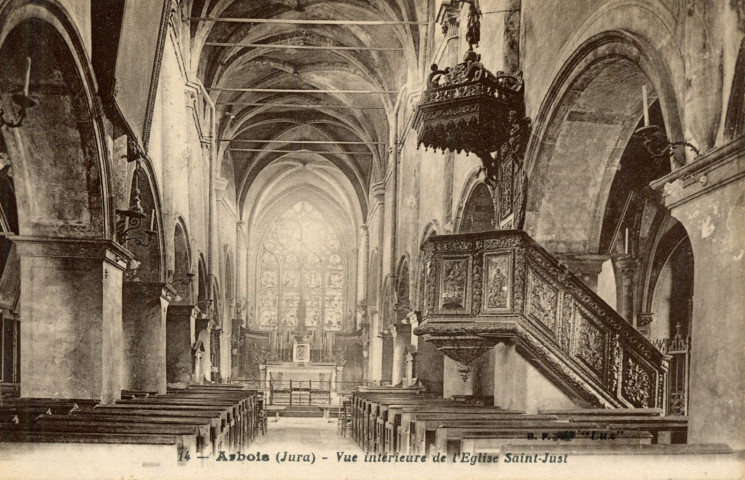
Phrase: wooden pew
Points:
(664, 430)
(248, 399)
(188, 419)
(379, 411)
(137, 393)
(369, 411)
(209, 423)
(200, 431)
(235, 418)
(218, 416)
(609, 412)
(55, 403)
(366, 410)
(453, 438)
(416, 427)
(389, 416)
(168, 446)
(423, 426)
(359, 408)
(20, 413)
(248, 417)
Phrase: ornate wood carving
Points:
(590, 344)
(637, 384)
(498, 277)
(522, 294)
(468, 108)
(542, 301)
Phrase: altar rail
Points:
(502, 286)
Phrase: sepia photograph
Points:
(372, 239)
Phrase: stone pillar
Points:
(172, 145)
(389, 220)
(455, 382)
(410, 367)
(241, 302)
(180, 338)
(510, 378)
(586, 267)
(412, 319)
(362, 270)
(144, 307)
(707, 198)
(71, 306)
(240, 268)
(400, 335)
(449, 19)
(375, 355)
(203, 329)
(386, 358)
(626, 271)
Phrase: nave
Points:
(460, 225)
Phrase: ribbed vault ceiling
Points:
(277, 92)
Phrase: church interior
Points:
(437, 225)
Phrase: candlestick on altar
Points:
(28, 76)
(646, 105)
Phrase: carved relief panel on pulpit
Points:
(454, 285)
(485, 288)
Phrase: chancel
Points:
(483, 231)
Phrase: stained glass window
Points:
(301, 272)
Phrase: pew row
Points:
(390, 420)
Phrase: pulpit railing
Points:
(502, 286)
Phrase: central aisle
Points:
(301, 434)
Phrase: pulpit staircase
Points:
(482, 289)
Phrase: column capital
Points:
(449, 18)
(73, 248)
(412, 318)
(627, 267)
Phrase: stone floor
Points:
(301, 434)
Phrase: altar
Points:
(301, 383)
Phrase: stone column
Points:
(400, 334)
(180, 338)
(707, 198)
(375, 353)
(449, 19)
(410, 367)
(71, 306)
(455, 381)
(389, 220)
(375, 348)
(144, 307)
(362, 270)
(626, 271)
(412, 320)
(203, 329)
(510, 377)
